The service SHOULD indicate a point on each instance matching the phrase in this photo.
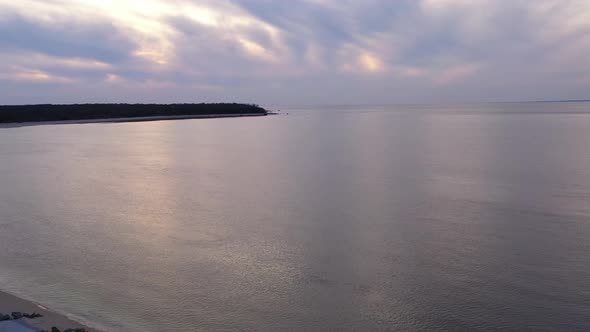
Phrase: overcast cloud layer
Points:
(293, 52)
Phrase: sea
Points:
(320, 218)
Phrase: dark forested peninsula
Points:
(123, 112)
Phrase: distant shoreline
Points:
(563, 101)
(17, 115)
(10, 303)
(127, 119)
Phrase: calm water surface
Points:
(355, 218)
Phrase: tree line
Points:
(50, 112)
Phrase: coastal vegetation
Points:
(50, 112)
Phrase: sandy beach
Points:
(10, 303)
(128, 119)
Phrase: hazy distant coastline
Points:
(90, 113)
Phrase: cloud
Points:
(32, 75)
(294, 51)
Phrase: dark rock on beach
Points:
(55, 329)
(18, 315)
(33, 315)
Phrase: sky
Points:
(293, 52)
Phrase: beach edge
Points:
(128, 119)
(13, 303)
